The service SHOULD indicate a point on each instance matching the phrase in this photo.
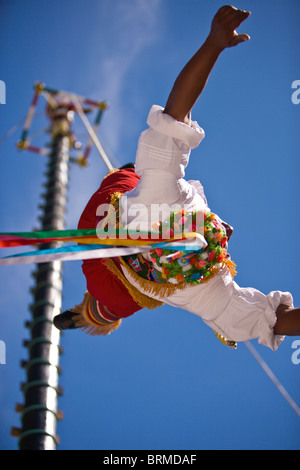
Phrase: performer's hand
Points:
(223, 26)
(192, 79)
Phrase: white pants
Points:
(237, 313)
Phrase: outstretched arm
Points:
(192, 79)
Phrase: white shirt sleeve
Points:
(162, 156)
(167, 143)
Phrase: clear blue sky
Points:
(162, 381)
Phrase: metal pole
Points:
(41, 389)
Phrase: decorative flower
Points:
(180, 214)
(183, 261)
(224, 241)
(218, 236)
(182, 220)
(211, 256)
(172, 280)
(220, 258)
(192, 228)
(201, 263)
(156, 225)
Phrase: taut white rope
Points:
(91, 132)
(274, 379)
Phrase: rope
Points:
(273, 378)
(91, 132)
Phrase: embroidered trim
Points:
(92, 320)
(141, 299)
(226, 342)
(112, 217)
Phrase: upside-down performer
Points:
(200, 282)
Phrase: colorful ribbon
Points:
(13, 239)
(84, 236)
(90, 245)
